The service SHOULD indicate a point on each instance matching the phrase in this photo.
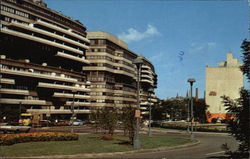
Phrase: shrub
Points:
(10, 139)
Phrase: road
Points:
(209, 147)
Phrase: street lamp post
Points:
(138, 62)
(191, 81)
(188, 116)
(172, 114)
(20, 112)
(150, 90)
(73, 111)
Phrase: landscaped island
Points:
(88, 143)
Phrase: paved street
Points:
(209, 147)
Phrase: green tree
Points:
(239, 125)
(177, 109)
(200, 108)
(108, 119)
(128, 119)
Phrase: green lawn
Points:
(88, 143)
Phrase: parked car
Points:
(78, 122)
(45, 123)
(61, 123)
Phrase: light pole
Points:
(172, 115)
(20, 112)
(191, 81)
(150, 90)
(73, 111)
(188, 116)
(138, 62)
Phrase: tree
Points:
(106, 118)
(239, 125)
(128, 119)
(200, 108)
(177, 109)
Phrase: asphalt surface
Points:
(209, 147)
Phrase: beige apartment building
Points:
(225, 79)
(113, 75)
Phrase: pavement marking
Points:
(213, 153)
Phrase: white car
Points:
(78, 122)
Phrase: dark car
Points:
(45, 123)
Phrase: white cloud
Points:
(197, 47)
(135, 35)
(157, 58)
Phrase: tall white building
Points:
(225, 79)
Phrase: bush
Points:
(10, 139)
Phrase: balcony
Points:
(22, 101)
(62, 87)
(145, 66)
(14, 91)
(103, 68)
(70, 103)
(147, 81)
(146, 76)
(67, 95)
(40, 40)
(146, 71)
(7, 80)
(14, 71)
(68, 32)
(40, 31)
(64, 55)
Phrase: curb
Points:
(185, 132)
(92, 155)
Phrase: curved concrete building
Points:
(42, 55)
(48, 63)
(113, 74)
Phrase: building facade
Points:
(226, 79)
(50, 66)
(42, 55)
(113, 75)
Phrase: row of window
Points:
(112, 67)
(49, 38)
(112, 87)
(107, 79)
(36, 71)
(111, 94)
(109, 59)
(111, 48)
(112, 102)
(14, 11)
(50, 13)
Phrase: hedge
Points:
(10, 139)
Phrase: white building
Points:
(225, 79)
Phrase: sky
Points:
(179, 37)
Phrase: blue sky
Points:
(179, 37)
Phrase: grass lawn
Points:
(87, 143)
